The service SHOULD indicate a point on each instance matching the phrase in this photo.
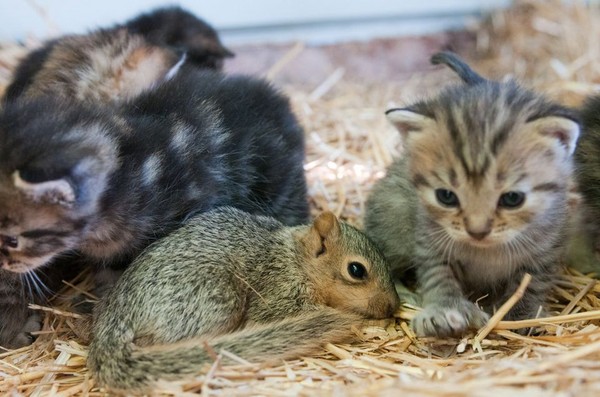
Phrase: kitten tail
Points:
(463, 70)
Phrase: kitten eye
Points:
(39, 175)
(9, 241)
(357, 270)
(446, 197)
(511, 199)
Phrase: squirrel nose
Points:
(479, 234)
(381, 306)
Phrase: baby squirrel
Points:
(239, 282)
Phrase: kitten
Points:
(100, 183)
(585, 244)
(178, 29)
(480, 198)
(120, 62)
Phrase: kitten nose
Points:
(479, 234)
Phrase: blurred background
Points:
(240, 21)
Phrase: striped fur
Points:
(479, 140)
(118, 63)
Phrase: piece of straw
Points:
(502, 311)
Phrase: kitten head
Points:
(54, 161)
(491, 162)
(181, 30)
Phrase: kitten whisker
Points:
(27, 283)
(42, 288)
(509, 252)
(525, 244)
(448, 244)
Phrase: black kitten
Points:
(178, 29)
(585, 244)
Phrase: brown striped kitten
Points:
(117, 63)
(479, 199)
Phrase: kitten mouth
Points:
(15, 267)
(486, 243)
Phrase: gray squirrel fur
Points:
(240, 282)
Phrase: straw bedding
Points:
(550, 45)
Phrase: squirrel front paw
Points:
(448, 320)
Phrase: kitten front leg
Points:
(105, 279)
(531, 304)
(17, 321)
(446, 312)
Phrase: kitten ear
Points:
(57, 191)
(406, 121)
(563, 130)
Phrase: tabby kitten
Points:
(101, 183)
(479, 199)
(120, 62)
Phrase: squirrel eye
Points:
(357, 270)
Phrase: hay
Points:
(551, 45)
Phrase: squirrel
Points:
(243, 283)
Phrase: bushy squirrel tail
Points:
(131, 368)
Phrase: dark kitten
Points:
(178, 29)
(119, 62)
(480, 197)
(586, 244)
(103, 183)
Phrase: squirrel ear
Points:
(562, 130)
(406, 120)
(57, 191)
(326, 225)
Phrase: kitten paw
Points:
(24, 336)
(447, 321)
(406, 295)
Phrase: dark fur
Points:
(587, 155)
(585, 246)
(176, 28)
(243, 148)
